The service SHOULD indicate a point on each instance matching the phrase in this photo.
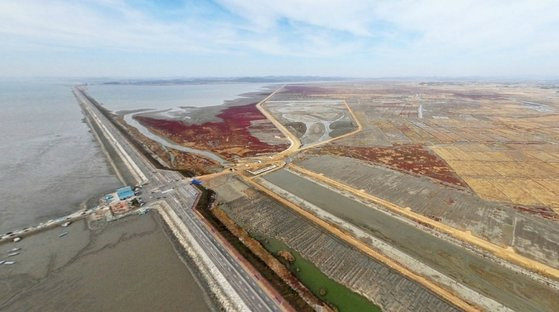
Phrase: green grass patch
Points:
(328, 290)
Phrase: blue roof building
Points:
(125, 192)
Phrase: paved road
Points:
(181, 196)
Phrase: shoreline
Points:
(189, 263)
(122, 265)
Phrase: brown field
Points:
(522, 175)
(498, 139)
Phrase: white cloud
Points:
(350, 16)
(419, 33)
(105, 25)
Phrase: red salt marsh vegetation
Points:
(544, 212)
(230, 137)
(412, 158)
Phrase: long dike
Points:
(225, 297)
(116, 155)
(213, 280)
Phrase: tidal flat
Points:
(126, 265)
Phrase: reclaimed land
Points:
(258, 213)
(295, 300)
(312, 121)
(499, 138)
(528, 235)
(231, 137)
(520, 293)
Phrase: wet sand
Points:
(128, 265)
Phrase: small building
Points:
(119, 208)
(125, 192)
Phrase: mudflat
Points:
(127, 265)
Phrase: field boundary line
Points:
(504, 253)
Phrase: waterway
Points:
(170, 101)
(145, 131)
(513, 290)
(126, 265)
(325, 288)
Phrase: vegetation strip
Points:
(334, 293)
(203, 206)
(274, 264)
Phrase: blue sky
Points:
(242, 37)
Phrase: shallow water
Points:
(49, 162)
(168, 101)
(131, 97)
(129, 265)
(168, 143)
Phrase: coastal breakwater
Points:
(197, 260)
(43, 226)
(215, 282)
(121, 162)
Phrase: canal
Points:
(509, 288)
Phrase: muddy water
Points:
(173, 97)
(129, 265)
(515, 291)
(49, 162)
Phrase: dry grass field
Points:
(524, 175)
(500, 139)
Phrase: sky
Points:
(224, 38)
